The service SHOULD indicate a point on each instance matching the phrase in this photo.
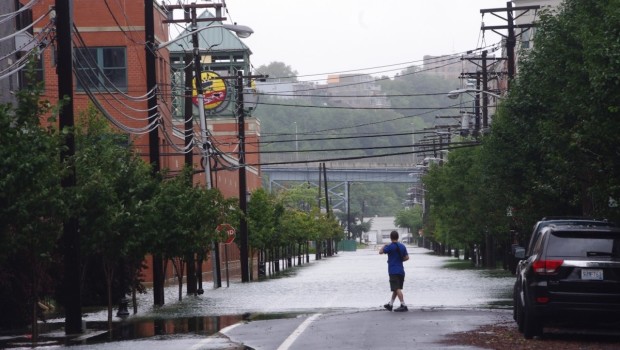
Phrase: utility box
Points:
(347, 245)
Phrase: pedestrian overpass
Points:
(340, 175)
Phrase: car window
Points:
(536, 247)
(580, 245)
(539, 226)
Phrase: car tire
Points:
(532, 324)
(519, 315)
(515, 304)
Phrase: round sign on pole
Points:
(229, 231)
(214, 90)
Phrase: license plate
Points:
(592, 274)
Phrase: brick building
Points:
(110, 73)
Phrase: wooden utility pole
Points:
(71, 234)
(192, 17)
(511, 39)
(327, 210)
(482, 84)
(189, 162)
(151, 85)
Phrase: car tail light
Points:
(542, 300)
(546, 267)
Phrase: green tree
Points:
(411, 218)
(556, 132)
(32, 205)
(301, 197)
(552, 149)
(113, 186)
(278, 70)
(261, 218)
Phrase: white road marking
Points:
(302, 327)
(229, 328)
(208, 340)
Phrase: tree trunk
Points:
(109, 276)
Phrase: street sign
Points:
(229, 230)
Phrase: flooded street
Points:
(350, 280)
(347, 282)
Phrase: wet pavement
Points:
(328, 292)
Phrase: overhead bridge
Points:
(339, 176)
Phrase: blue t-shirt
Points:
(395, 260)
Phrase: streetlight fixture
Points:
(454, 94)
(241, 31)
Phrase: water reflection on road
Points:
(350, 280)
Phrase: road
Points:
(329, 303)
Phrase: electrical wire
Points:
(92, 65)
(345, 149)
(442, 58)
(85, 77)
(150, 127)
(9, 16)
(23, 62)
(472, 144)
(26, 28)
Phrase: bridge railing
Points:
(303, 160)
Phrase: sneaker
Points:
(401, 308)
(388, 307)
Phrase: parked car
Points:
(570, 272)
(520, 253)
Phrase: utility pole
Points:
(71, 234)
(482, 84)
(243, 191)
(151, 85)
(511, 39)
(217, 276)
(217, 279)
(243, 200)
(189, 162)
(485, 87)
(348, 209)
(329, 240)
(319, 243)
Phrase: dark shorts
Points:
(396, 282)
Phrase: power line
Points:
(473, 144)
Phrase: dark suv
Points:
(571, 272)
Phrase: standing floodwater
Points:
(349, 281)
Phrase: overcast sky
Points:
(333, 36)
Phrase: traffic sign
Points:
(229, 230)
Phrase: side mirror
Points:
(519, 253)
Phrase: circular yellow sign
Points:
(213, 90)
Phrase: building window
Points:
(33, 74)
(101, 67)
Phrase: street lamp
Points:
(241, 31)
(454, 94)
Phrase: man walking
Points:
(397, 253)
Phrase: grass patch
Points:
(467, 265)
(459, 265)
(497, 273)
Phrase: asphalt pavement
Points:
(334, 303)
(372, 329)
